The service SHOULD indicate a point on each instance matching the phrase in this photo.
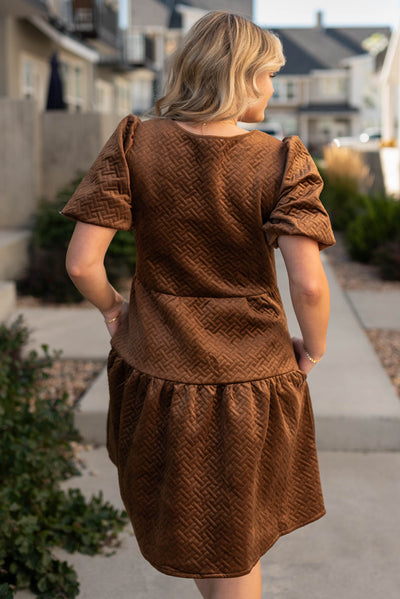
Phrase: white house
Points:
(390, 81)
(330, 85)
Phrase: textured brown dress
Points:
(210, 420)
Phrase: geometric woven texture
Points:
(210, 421)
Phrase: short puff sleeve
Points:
(104, 197)
(299, 211)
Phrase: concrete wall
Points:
(42, 152)
(20, 162)
(71, 143)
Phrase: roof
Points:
(323, 47)
(164, 12)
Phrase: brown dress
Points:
(210, 420)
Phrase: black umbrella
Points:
(55, 94)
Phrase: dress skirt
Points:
(211, 475)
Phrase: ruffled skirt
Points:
(211, 475)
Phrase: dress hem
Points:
(169, 571)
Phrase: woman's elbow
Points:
(311, 290)
(76, 266)
(74, 269)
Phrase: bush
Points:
(36, 435)
(45, 276)
(387, 257)
(346, 180)
(377, 224)
(342, 202)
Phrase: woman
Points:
(210, 421)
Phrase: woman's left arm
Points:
(85, 266)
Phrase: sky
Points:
(301, 13)
(336, 12)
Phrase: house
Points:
(42, 141)
(155, 29)
(330, 85)
(390, 150)
(88, 43)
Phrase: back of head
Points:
(212, 74)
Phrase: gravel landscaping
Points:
(72, 376)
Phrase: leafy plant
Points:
(45, 275)
(36, 436)
(387, 257)
(346, 181)
(378, 223)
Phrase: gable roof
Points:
(164, 12)
(322, 48)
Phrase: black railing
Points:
(95, 19)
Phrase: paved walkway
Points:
(355, 404)
(352, 552)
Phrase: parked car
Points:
(370, 136)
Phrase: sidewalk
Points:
(355, 404)
(352, 552)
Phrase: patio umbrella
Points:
(55, 94)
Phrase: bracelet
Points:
(310, 358)
(112, 319)
(116, 317)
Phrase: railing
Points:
(96, 19)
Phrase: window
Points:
(136, 47)
(277, 90)
(285, 90)
(333, 86)
(290, 90)
(27, 79)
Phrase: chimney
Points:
(320, 20)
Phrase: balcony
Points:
(96, 19)
(139, 49)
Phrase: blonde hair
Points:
(212, 75)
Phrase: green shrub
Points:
(45, 275)
(342, 201)
(36, 434)
(378, 223)
(346, 181)
(387, 257)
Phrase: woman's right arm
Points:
(309, 292)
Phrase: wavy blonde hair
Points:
(212, 74)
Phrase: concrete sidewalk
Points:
(350, 553)
(355, 404)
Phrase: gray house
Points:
(330, 85)
(155, 27)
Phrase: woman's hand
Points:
(304, 363)
(117, 312)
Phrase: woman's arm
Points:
(309, 293)
(85, 266)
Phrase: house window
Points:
(136, 47)
(78, 89)
(104, 96)
(285, 90)
(333, 86)
(291, 91)
(342, 85)
(27, 79)
(277, 90)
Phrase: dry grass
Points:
(346, 165)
